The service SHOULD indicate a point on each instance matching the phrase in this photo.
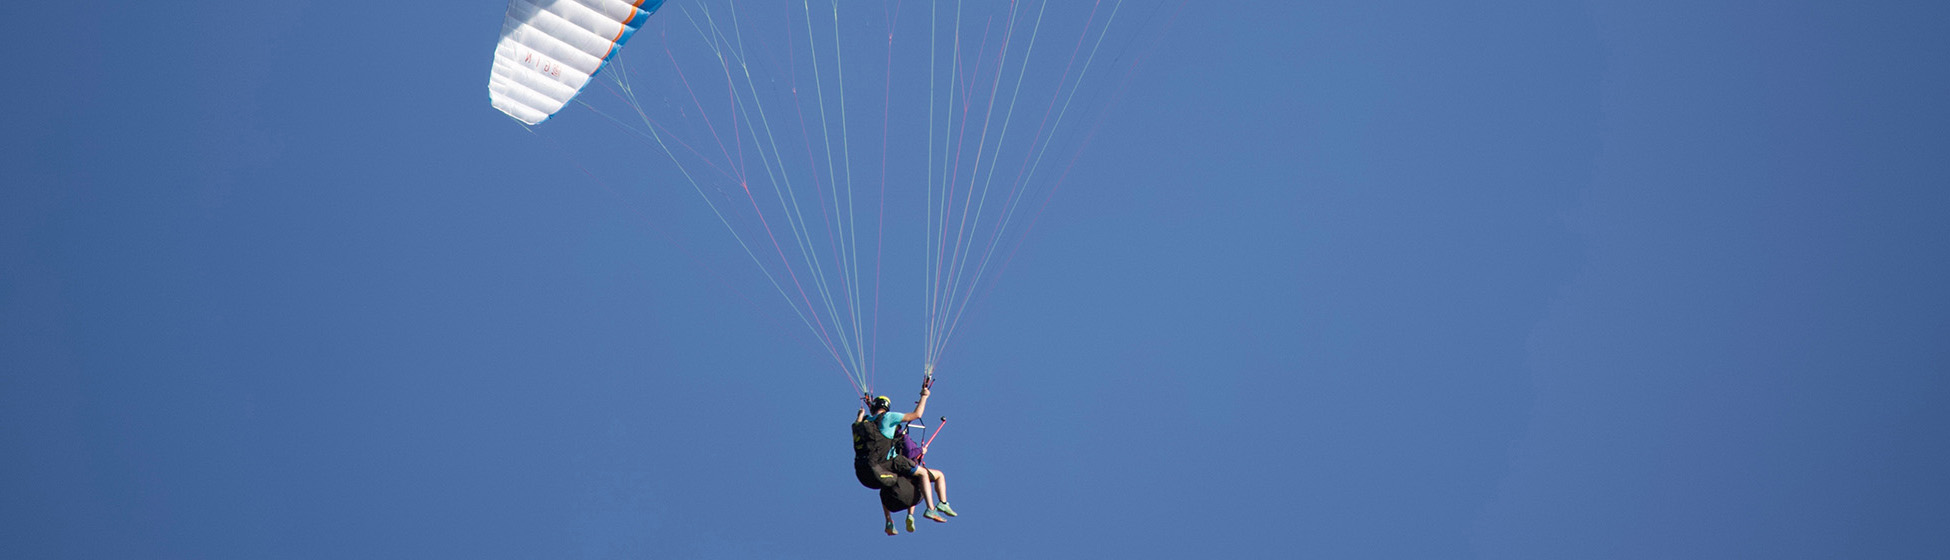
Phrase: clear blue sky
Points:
(1496, 279)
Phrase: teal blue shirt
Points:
(890, 422)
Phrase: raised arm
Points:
(920, 408)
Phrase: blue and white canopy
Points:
(550, 48)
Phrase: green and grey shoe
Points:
(910, 523)
(946, 510)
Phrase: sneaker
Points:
(890, 528)
(934, 515)
(910, 523)
(945, 510)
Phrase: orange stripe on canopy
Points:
(638, 6)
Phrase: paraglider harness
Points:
(875, 463)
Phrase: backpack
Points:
(870, 462)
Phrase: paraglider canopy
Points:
(550, 48)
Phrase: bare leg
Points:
(940, 484)
(889, 516)
(927, 489)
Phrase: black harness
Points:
(871, 450)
